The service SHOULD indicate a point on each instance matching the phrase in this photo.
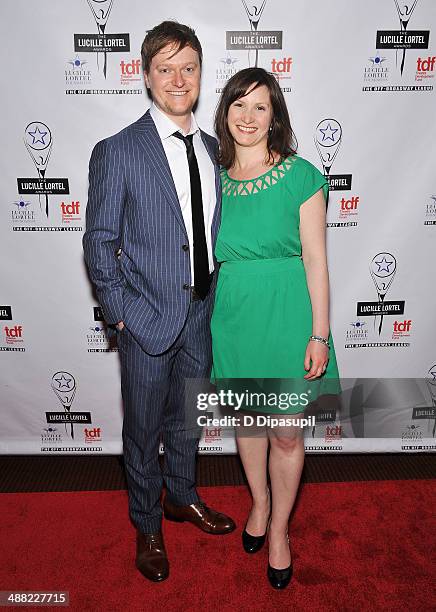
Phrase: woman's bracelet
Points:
(320, 339)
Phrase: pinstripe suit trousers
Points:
(154, 407)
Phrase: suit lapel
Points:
(151, 144)
(154, 152)
(217, 212)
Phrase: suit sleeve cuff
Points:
(112, 306)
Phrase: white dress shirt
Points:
(175, 150)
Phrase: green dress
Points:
(262, 317)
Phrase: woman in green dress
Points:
(270, 325)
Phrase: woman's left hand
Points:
(316, 359)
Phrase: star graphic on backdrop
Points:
(383, 265)
(377, 59)
(22, 204)
(77, 62)
(331, 132)
(38, 136)
(432, 372)
(358, 324)
(229, 60)
(66, 383)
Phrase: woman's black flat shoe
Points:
(251, 543)
(279, 578)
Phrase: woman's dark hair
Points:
(166, 33)
(281, 138)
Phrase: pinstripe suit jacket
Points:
(133, 206)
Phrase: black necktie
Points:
(201, 260)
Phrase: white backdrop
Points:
(362, 114)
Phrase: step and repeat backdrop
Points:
(359, 80)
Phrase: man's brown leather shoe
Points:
(200, 515)
(151, 556)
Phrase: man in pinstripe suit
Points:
(153, 187)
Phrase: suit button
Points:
(185, 247)
(186, 286)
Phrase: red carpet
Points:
(357, 546)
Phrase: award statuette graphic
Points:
(383, 267)
(253, 39)
(101, 10)
(328, 137)
(254, 12)
(405, 10)
(39, 141)
(102, 42)
(431, 384)
(403, 38)
(64, 385)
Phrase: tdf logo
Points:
(401, 328)
(70, 209)
(13, 334)
(129, 69)
(70, 212)
(92, 435)
(351, 204)
(348, 207)
(281, 66)
(425, 65)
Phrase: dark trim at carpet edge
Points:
(34, 473)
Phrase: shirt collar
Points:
(166, 126)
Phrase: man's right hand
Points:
(120, 325)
